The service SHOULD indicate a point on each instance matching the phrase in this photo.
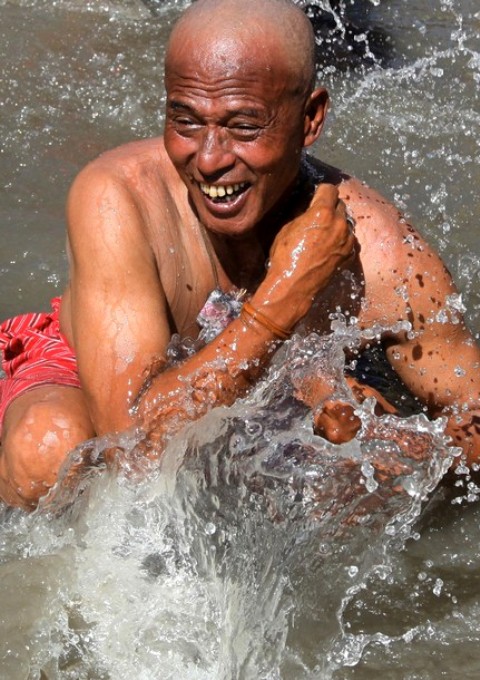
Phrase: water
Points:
(233, 560)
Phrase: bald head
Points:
(256, 31)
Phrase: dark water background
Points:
(180, 577)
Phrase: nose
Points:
(214, 156)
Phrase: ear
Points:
(314, 117)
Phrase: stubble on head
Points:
(238, 105)
(262, 27)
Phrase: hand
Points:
(310, 248)
(336, 420)
(334, 416)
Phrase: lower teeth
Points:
(224, 199)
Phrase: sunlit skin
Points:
(225, 127)
(147, 245)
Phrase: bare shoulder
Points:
(402, 271)
(127, 166)
(377, 219)
(383, 232)
(135, 181)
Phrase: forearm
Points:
(220, 372)
(303, 257)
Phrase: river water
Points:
(233, 560)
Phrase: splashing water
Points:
(256, 550)
(237, 556)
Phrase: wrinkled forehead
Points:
(229, 56)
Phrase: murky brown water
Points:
(81, 77)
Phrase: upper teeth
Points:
(217, 190)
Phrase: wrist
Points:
(280, 302)
(250, 315)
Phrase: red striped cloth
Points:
(35, 353)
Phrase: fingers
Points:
(341, 210)
(327, 195)
(326, 239)
(362, 392)
(337, 422)
(346, 244)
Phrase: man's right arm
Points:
(304, 255)
(117, 307)
(119, 312)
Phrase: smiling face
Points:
(235, 127)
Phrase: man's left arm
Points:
(438, 359)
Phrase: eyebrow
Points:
(177, 106)
(249, 112)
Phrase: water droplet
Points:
(368, 471)
(210, 528)
(253, 429)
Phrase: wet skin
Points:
(130, 211)
(231, 128)
(139, 225)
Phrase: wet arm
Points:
(118, 310)
(439, 361)
(303, 257)
(119, 314)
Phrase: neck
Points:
(293, 203)
(244, 257)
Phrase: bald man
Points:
(225, 211)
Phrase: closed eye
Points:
(180, 120)
(244, 131)
(184, 125)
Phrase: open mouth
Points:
(223, 193)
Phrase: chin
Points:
(235, 225)
(228, 227)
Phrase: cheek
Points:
(178, 148)
(280, 169)
(267, 157)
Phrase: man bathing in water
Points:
(225, 200)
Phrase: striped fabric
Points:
(35, 353)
